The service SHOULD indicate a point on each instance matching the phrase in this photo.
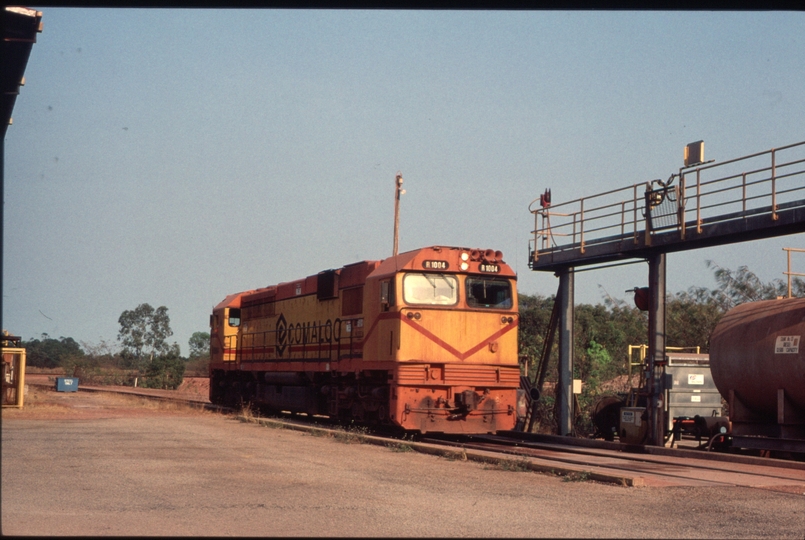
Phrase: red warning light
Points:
(545, 199)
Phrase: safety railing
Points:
(768, 182)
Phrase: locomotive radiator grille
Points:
(455, 375)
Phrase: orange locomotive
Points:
(425, 340)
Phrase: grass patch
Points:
(400, 447)
(248, 414)
(351, 435)
(456, 455)
(583, 476)
(510, 465)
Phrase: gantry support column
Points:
(564, 387)
(656, 348)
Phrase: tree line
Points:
(141, 356)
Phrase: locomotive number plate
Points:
(435, 265)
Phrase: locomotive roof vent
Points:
(327, 285)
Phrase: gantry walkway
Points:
(757, 196)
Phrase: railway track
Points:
(596, 460)
(666, 467)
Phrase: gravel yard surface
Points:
(100, 464)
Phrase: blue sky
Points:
(176, 156)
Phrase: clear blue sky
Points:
(176, 156)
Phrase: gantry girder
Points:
(749, 198)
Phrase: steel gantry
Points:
(757, 196)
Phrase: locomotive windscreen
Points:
(489, 293)
(430, 289)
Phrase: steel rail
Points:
(688, 469)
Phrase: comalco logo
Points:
(289, 334)
(282, 334)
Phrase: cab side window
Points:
(386, 294)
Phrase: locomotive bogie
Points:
(460, 409)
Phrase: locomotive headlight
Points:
(465, 256)
(464, 266)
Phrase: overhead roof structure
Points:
(18, 29)
(19, 26)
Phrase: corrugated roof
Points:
(19, 26)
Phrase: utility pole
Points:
(398, 192)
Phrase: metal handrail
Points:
(246, 344)
(618, 214)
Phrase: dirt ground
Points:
(90, 463)
(43, 403)
(195, 385)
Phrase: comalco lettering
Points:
(306, 333)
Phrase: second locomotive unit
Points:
(425, 341)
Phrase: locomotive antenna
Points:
(398, 192)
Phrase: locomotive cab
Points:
(224, 323)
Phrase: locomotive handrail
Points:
(767, 182)
(326, 350)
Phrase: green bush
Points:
(165, 372)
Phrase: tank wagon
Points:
(425, 341)
(757, 359)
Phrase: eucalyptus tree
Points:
(143, 334)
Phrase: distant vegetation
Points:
(141, 356)
(602, 333)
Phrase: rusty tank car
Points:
(757, 359)
(425, 341)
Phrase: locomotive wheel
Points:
(232, 397)
(357, 411)
(382, 413)
(217, 389)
